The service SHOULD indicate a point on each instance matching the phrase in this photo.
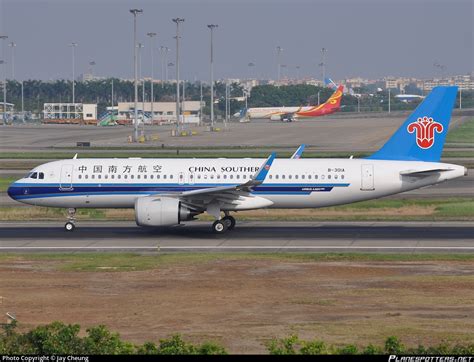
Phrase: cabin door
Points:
(65, 182)
(367, 181)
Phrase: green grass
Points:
(5, 182)
(462, 134)
(373, 210)
(116, 262)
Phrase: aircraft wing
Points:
(232, 194)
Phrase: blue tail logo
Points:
(422, 135)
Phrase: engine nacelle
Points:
(275, 117)
(161, 211)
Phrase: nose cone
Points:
(12, 191)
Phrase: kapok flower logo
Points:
(425, 129)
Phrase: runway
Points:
(401, 237)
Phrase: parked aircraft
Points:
(166, 192)
(288, 114)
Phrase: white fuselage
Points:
(301, 183)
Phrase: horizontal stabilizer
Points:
(424, 173)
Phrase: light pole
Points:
(318, 96)
(73, 47)
(297, 72)
(4, 92)
(279, 49)
(212, 27)
(152, 47)
(135, 12)
(13, 45)
(163, 52)
(177, 21)
(388, 100)
(200, 103)
(4, 37)
(142, 81)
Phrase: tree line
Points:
(37, 92)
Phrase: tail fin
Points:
(335, 100)
(422, 135)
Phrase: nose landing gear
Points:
(71, 216)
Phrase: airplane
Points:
(409, 97)
(166, 192)
(333, 104)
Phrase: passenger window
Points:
(296, 177)
(171, 177)
(158, 177)
(199, 177)
(244, 177)
(106, 176)
(86, 176)
(335, 176)
(93, 176)
(132, 176)
(309, 177)
(125, 176)
(315, 177)
(237, 177)
(270, 176)
(218, 177)
(289, 176)
(329, 177)
(276, 177)
(112, 176)
(151, 176)
(322, 177)
(138, 177)
(342, 177)
(164, 177)
(231, 176)
(225, 177)
(302, 177)
(212, 177)
(282, 177)
(79, 177)
(119, 176)
(99, 176)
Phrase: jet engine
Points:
(161, 211)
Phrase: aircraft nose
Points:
(11, 191)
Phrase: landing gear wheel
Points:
(230, 222)
(69, 226)
(219, 227)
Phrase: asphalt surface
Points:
(401, 237)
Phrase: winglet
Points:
(298, 152)
(263, 171)
(75, 156)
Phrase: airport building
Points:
(76, 113)
(163, 112)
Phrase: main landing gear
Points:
(224, 224)
(71, 216)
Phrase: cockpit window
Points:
(34, 175)
(41, 176)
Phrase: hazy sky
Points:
(363, 38)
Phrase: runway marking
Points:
(284, 247)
